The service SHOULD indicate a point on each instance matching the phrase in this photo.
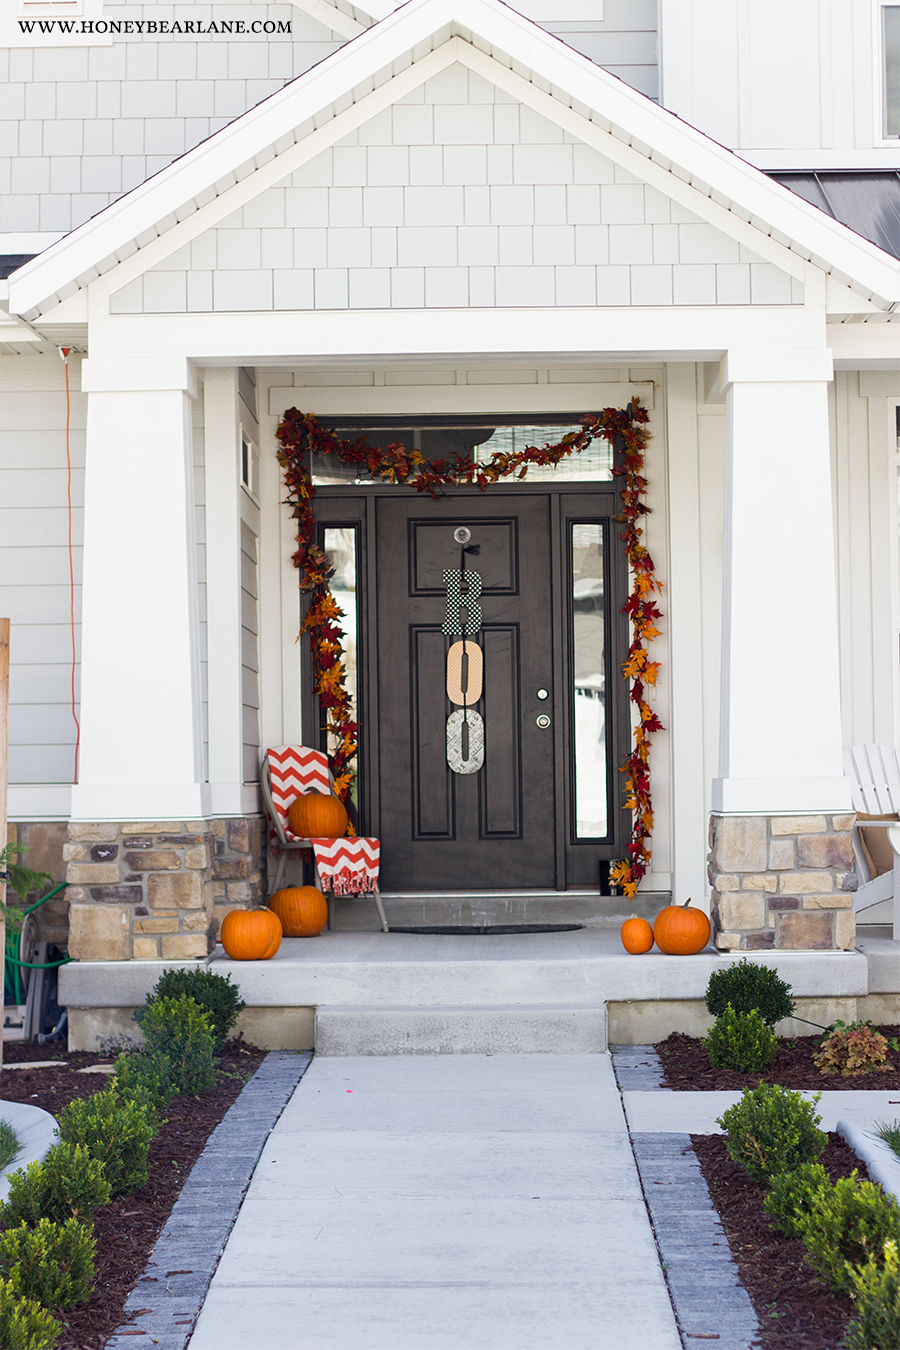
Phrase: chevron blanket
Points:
(348, 866)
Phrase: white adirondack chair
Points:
(874, 771)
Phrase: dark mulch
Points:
(795, 1311)
(127, 1229)
(687, 1068)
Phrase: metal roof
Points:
(865, 200)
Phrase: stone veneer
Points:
(158, 890)
(782, 881)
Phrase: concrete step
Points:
(512, 1029)
(415, 909)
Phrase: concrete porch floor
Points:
(375, 993)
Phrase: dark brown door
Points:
(493, 829)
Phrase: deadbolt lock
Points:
(543, 693)
(543, 721)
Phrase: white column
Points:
(682, 607)
(222, 442)
(141, 750)
(780, 747)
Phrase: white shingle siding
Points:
(358, 227)
(95, 122)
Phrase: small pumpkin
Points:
(637, 935)
(303, 910)
(251, 934)
(317, 816)
(680, 930)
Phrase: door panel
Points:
(441, 830)
(501, 815)
(432, 787)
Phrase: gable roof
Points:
(312, 111)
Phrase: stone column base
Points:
(782, 882)
(150, 890)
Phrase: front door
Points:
(489, 829)
(543, 809)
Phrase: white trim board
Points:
(456, 400)
(446, 336)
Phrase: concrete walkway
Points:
(460, 1202)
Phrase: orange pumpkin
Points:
(251, 934)
(315, 816)
(680, 930)
(303, 910)
(637, 935)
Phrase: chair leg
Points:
(317, 882)
(384, 922)
(280, 867)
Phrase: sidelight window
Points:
(588, 638)
(340, 547)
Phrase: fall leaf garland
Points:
(643, 613)
(300, 434)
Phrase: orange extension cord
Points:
(64, 353)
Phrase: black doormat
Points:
(492, 929)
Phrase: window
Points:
(249, 464)
(589, 643)
(890, 50)
(443, 440)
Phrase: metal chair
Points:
(874, 771)
(347, 866)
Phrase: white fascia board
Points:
(331, 17)
(672, 333)
(866, 346)
(404, 36)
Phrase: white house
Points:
(453, 224)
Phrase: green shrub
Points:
(180, 1030)
(888, 1131)
(875, 1288)
(771, 1130)
(145, 1078)
(69, 1183)
(10, 1144)
(116, 1129)
(24, 1324)
(857, 1048)
(852, 1221)
(741, 1041)
(749, 987)
(793, 1193)
(216, 995)
(51, 1262)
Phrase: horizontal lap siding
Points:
(250, 638)
(34, 560)
(624, 42)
